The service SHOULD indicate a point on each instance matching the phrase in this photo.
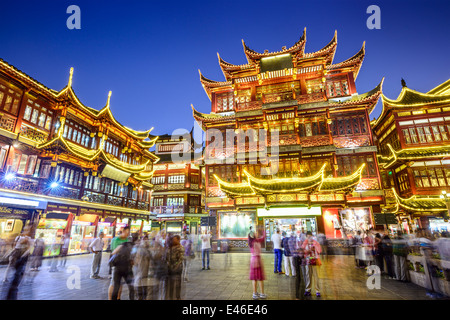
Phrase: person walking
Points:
(96, 248)
(256, 267)
(188, 255)
(206, 247)
(312, 252)
(160, 272)
(22, 250)
(38, 252)
(175, 262)
(278, 253)
(141, 267)
(288, 258)
(122, 265)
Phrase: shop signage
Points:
(21, 202)
(91, 211)
(386, 218)
(208, 221)
(59, 208)
(291, 211)
(156, 224)
(12, 213)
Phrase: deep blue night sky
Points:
(148, 52)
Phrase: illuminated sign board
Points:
(283, 212)
(21, 202)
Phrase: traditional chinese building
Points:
(177, 198)
(68, 168)
(327, 178)
(413, 133)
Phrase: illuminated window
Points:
(9, 100)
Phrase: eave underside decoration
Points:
(419, 203)
(202, 118)
(417, 153)
(317, 182)
(90, 154)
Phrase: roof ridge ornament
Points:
(109, 98)
(69, 84)
(403, 83)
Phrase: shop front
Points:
(82, 232)
(16, 212)
(174, 227)
(155, 226)
(51, 228)
(290, 219)
(439, 225)
(12, 221)
(136, 226)
(342, 223)
(106, 225)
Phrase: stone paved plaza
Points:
(227, 280)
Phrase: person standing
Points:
(386, 244)
(188, 255)
(295, 247)
(378, 252)
(357, 243)
(206, 247)
(64, 250)
(175, 263)
(256, 267)
(122, 265)
(400, 252)
(312, 252)
(368, 244)
(96, 247)
(288, 260)
(302, 235)
(278, 254)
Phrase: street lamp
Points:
(446, 197)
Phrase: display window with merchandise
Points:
(82, 233)
(52, 231)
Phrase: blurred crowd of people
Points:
(388, 251)
(153, 266)
(300, 254)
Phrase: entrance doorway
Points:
(288, 225)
